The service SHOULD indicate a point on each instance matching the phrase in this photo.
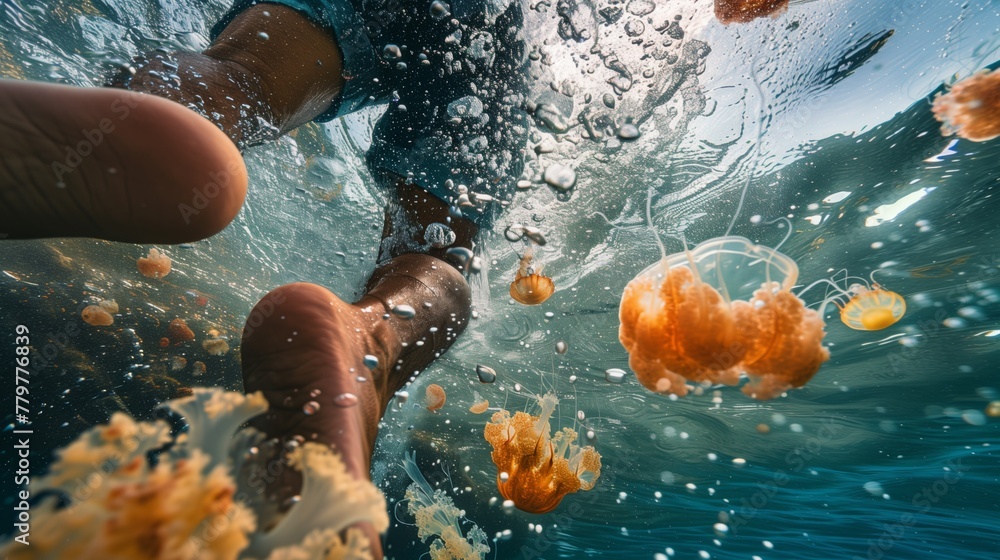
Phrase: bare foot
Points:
(312, 356)
(122, 166)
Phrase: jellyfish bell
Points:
(745, 11)
(535, 468)
(971, 108)
(708, 314)
(434, 397)
(530, 287)
(873, 310)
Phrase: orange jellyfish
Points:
(745, 11)
(971, 109)
(178, 331)
(199, 369)
(722, 309)
(535, 470)
(97, 316)
(154, 265)
(480, 406)
(434, 397)
(529, 286)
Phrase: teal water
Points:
(885, 454)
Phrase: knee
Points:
(200, 179)
(291, 304)
(214, 174)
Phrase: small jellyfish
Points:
(178, 331)
(993, 409)
(434, 397)
(178, 363)
(437, 518)
(198, 369)
(745, 11)
(721, 309)
(529, 286)
(869, 307)
(215, 346)
(154, 265)
(97, 316)
(971, 108)
(535, 471)
(480, 406)
(109, 305)
(873, 309)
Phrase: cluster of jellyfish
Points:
(706, 315)
(726, 308)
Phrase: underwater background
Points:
(822, 113)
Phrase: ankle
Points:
(441, 302)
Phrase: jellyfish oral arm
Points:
(548, 403)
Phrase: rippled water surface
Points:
(823, 114)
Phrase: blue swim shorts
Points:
(453, 75)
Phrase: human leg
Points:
(311, 353)
(86, 162)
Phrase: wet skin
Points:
(129, 166)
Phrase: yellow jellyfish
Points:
(745, 11)
(971, 108)
(529, 286)
(721, 309)
(535, 470)
(873, 310)
(434, 397)
(868, 307)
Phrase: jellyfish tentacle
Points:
(770, 255)
(395, 513)
(690, 259)
(756, 149)
(788, 234)
(649, 223)
(826, 300)
(871, 276)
